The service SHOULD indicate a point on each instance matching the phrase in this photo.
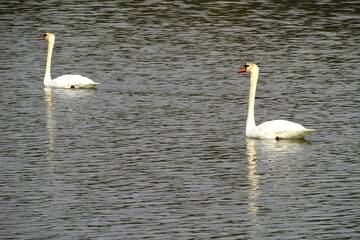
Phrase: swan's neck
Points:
(47, 77)
(250, 122)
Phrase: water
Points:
(158, 151)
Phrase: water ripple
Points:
(158, 151)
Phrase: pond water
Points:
(158, 150)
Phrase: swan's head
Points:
(249, 68)
(50, 37)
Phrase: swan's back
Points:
(72, 81)
(278, 129)
(280, 125)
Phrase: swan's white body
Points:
(65, 81)
(276, 129)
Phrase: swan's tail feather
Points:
(295, 134)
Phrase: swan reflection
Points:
(66, 98)
(269, 149)
(253, 177)
(50, 123)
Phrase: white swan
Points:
(276, 129)
(65, 81)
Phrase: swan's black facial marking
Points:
(43, 36)
(246, 66)
(277, 138)
(72, 86)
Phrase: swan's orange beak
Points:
(242, 69)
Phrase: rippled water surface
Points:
(158, 150)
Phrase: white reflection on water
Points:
(252, 177)
(68, 100)
(271, 149)
(50, 124)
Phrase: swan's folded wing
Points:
(73, 81)
(90, 85)
(294, 133)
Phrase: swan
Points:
(65, 81)
(276, 129)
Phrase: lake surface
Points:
(158, 150)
